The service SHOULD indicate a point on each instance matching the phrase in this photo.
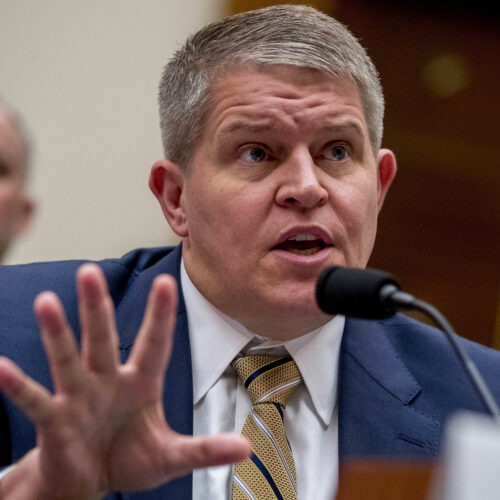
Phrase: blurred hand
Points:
(104, 428)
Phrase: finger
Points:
(97, 318)
(31, 397)
(60, 344)
(202, 451)
(151, 351)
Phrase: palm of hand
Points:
(104, 428)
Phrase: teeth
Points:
(303, 237)
(310, 251)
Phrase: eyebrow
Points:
(348, 127)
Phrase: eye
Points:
(337, 152)
(254, 154)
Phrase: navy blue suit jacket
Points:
(398, 383)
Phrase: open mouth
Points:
(302, 244)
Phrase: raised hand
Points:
(104, 429)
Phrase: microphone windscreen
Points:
(354, 292)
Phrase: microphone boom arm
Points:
(390, 295)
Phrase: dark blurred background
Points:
(440, 226)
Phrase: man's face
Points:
(283, 184)
(15, 208)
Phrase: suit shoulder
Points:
(429, 354)
(19, 284)
(132, 262)
(408, 333)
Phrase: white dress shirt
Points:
(221, 403)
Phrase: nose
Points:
(300, 183)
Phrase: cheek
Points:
(356, 201)
(366, 228)
(355, 206)
(234, 213)
(251, 210)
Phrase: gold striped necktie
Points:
(270, 472)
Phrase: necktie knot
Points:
(267, 378)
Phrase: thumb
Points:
(206, 451)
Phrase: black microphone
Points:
(375, 294)
(362, 293)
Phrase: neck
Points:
(284, 329)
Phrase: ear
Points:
(387, 168)
(166, 181)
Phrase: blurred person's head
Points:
(16, 206)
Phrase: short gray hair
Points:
(282, 34)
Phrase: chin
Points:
(298, 307)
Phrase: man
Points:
(16, 207)
(273, 170)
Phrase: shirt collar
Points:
(216, 339)
(317, 356)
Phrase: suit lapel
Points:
(178, 388)
(376, 391)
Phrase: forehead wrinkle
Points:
(289, 110)
(347, 127)
(245, 127)
(238, 127)
(284, 107)
(254, 123)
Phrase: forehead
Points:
(283, 96)
(11, 144)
